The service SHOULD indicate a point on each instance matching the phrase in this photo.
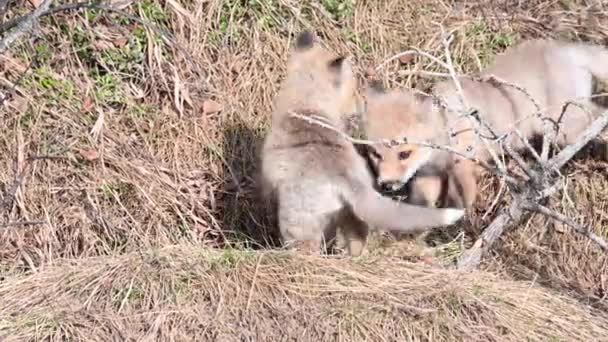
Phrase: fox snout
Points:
(391, 176)
(390, 185)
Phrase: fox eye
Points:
(403, 155)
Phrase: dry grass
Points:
(107, 149)
(202, 294)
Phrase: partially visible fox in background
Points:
(315, 176)
(552, 72)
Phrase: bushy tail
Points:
(382, 212)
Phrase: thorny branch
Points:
(394, 142)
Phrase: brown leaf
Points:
(89, 154)
(120, 42)
(427, 259)
(35, 3)
(101, 45)
(19, 103)
(121, 4)
(371, 72)
(210, 106)
(87, 105)
(239, 65)
(407, 59)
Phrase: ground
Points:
(128, 153)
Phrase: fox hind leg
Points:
(355, 233)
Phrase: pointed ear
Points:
(336, 64)
(341, 68)
(305, 41)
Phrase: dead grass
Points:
(203, 294)
(107, 149)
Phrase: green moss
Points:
(339, 9)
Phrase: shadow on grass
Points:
(247, 220)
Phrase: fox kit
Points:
(552, 72)
(318, 179)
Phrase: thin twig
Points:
(391, 143)
(583, 230)
(411, 51)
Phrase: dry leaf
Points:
(371, 72)
(407, 59)
(35, 3)
(87, 105)
(210, 106)
(121, 4)
(19, 103)
(120, 42)
(239, 65)
(427, 259)
(101, 45)
(89, 154)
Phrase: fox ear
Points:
(335, 65)
(305, 41)
(341, 68)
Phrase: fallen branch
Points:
(471, 258)
(538, 189)
(24, 26)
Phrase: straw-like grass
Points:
(119, 139)
(201, 294)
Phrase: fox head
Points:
(318, 79)
(397, 114)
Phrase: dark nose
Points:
(391, 185)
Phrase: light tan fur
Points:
(437, 190)
(552, 72)
(317, 177)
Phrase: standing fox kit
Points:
(315, 176)
(552, 72)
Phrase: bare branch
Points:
(583, 230)
(422, 73)
(412, 51)
(314, 120)
(589, 134)
(24, 26)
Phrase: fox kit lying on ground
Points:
(316, 177)
(552, 72)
